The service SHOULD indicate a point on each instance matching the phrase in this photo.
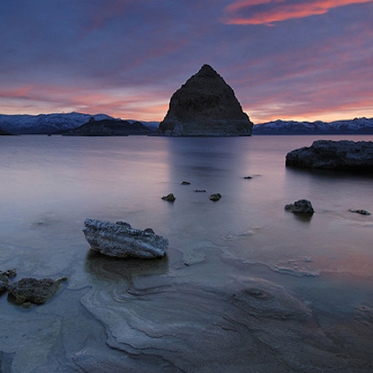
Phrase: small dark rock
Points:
(170, 197)
(200, 190)
(215, 197)
(33, 290)
(149, 230)
(185, 183)
(302, 206)
(248, 177)
(361, 212)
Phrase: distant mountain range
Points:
(58, 123)
(45, 123)
(280, 127)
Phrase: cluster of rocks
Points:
(28, 290)
(213, 197)
(334, 155)
(304, 207)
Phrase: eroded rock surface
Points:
(33, 290)
(121, 240)
(193, 328)
(334, 155)
(205, 106)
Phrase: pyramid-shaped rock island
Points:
(205, 106)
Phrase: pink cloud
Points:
(247, 12)
(36, 99)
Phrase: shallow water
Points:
(184, 312)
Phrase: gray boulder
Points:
(334, 155)
(33, 290)
(302, 206)
(205, 106)
(121, 240)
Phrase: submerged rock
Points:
(205, 106)
(302, 206)
(121, 240)
(33, 290)
(361, 212)
(334, 155)
(5, 277)
(170, 198)
(215, 197)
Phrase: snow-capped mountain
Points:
(46, 123)
(280, 127)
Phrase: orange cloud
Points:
(247, 12)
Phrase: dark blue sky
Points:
(284, 58)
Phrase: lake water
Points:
(308, 282)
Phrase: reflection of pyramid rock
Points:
(205, 106)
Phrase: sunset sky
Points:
(287, 59)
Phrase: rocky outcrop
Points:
(302, 206)
(33, 290)
(205, 106)
(109, 127)
(334, 155)
(121, 240)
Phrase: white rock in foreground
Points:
(121, 240)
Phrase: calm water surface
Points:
(49, 185)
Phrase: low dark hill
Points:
(4, 133)
(108, 127)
